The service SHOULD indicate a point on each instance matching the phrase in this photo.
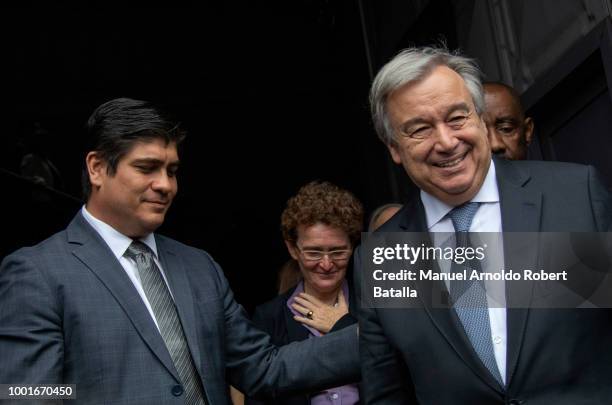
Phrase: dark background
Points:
(273, 94)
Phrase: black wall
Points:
(273, 94)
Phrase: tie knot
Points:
(462, 216)
(137, 248)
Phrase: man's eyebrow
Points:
(153, 161)
(147, 161)
(462, 106)
(413, 121)
(506, 120)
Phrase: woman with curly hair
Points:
(321, 225)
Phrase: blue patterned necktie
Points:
(469, 297)
(170, 327)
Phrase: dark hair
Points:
(116, 125)
(516, 97)
(377, 213)
(325, 203)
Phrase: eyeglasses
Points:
(318, 255)
(421, 129)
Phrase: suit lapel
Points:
(521, 209)
(95, 254)
(412, 218)
(181, 290)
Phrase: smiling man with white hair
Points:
(427, 106)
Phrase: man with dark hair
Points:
(132, 317)
(427, 106)
(509, 131)
(114, 126)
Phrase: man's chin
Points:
(456, 190)
(152, 222)
(454, 193)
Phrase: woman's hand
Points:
(318, 315)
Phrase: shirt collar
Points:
(116, 241)
(436, 210)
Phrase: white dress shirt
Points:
(118, 244)
(487, 219)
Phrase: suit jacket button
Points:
(177, 390)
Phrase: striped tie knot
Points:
(137, 248)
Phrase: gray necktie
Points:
(168, 321)
(469, 297)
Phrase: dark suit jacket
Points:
(275, 318)
(70, 314)
(561, 356)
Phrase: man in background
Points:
(509, 131)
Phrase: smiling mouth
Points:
(327, 273)
(451, 163)
(158, 203)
